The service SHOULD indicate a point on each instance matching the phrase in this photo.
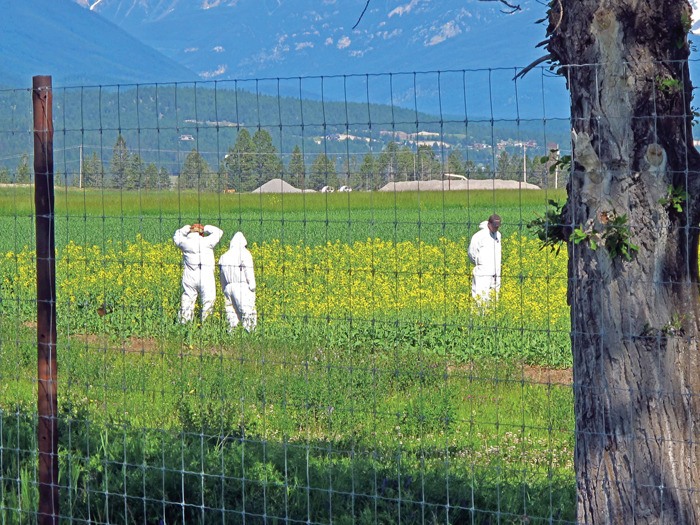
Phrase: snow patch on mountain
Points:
(214, 74)
(404, 9)
(448, 30)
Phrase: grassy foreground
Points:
(372, 392)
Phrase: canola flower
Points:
(138, 283)
(377, 278)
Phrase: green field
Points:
(373, 390)
(93, 216)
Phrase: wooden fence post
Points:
(47, 431)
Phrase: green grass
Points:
(92, 216)
(301, 422)
(290, 428)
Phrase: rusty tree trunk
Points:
(634, 322)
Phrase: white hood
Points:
(238, 241)
(234, 255)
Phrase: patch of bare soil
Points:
(531, 374)
(548, 376)
(128, 345)
(141, 345)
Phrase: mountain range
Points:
(227, 39)
(74, 46)
(396, 45)
(316, 49)
(411, 66)
(455, 59)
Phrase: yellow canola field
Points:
(370, 279)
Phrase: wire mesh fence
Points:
(359, 380)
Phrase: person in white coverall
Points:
(198, 268)
(238, 283)
(485, 254)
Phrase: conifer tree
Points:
(239, 165)
(196, 173)
(297, 169)
(268, 164)
(24, 173)
(93, 171)
(119, 165)
(322, 173)
(455, 163)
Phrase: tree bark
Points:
(634, 322)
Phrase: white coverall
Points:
(485, 253)
(238, 283)
(198, 269)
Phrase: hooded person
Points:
(485, 254)
(238, 283)
(198, 264)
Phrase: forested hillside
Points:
(164, 125)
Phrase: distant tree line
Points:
(332, 138)
(254, 160)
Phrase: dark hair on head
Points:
(495, 219)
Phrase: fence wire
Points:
(373, 387)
